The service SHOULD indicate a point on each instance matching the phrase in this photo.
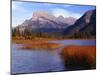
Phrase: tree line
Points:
(29, 34)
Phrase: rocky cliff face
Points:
(44, 20)
(86, 24)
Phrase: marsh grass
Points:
(41, 46)
(38, 43)
(28, 41)
(79, 57)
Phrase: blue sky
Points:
(24, 10)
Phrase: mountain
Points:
(43, 21)
(84, 26)
(68, 20)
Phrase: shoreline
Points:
(41, 40)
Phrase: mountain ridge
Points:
(45, 23)
(85, 24)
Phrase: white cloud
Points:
(14, 6)
(17, 7)
(19, 13)
(62, 12)
(66, 5)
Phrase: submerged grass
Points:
(36, 44)
(79, 57)
(39, 45)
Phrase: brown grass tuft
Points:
(79, 57)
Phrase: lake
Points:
(32, 61)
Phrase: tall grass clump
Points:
(79, 57)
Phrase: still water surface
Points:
(29, 61)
